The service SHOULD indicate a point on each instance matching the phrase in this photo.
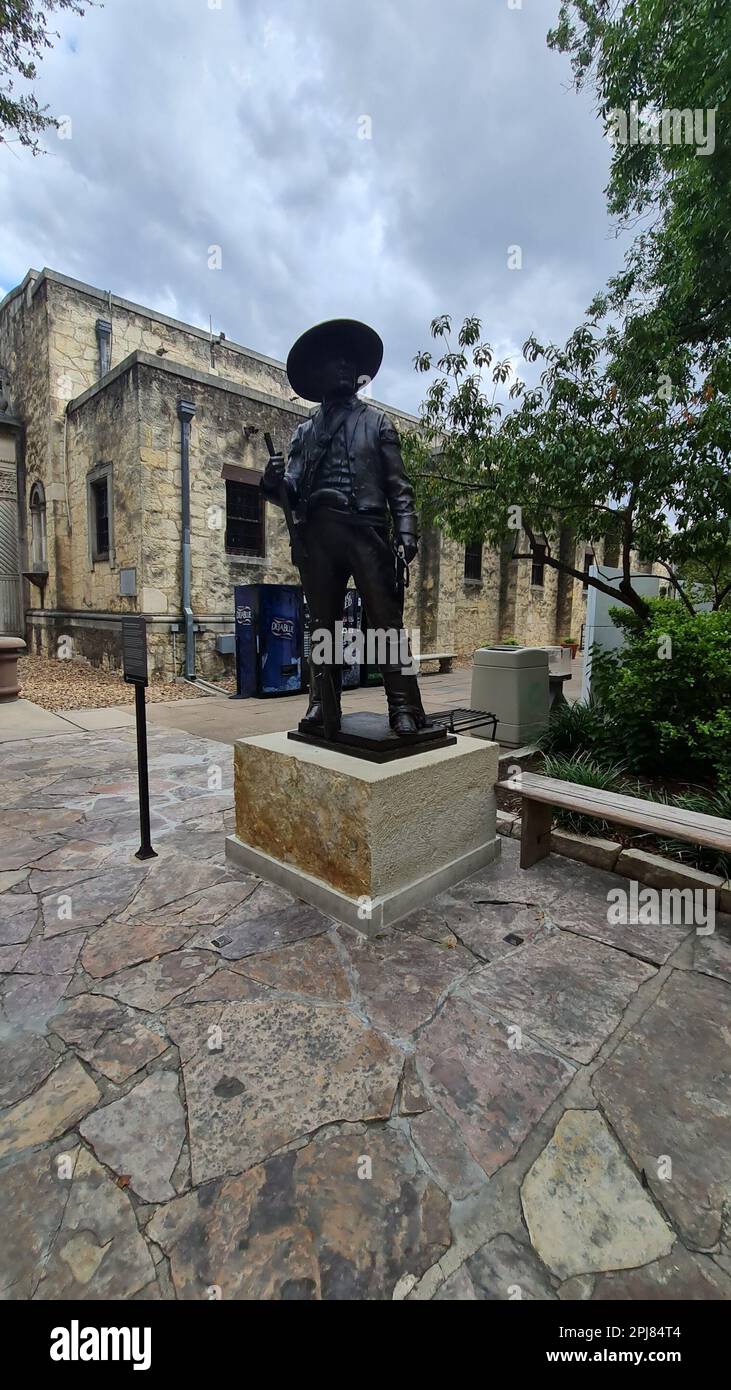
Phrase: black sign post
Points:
(134, 660)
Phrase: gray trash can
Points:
(512, 682)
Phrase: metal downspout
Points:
(186, 411)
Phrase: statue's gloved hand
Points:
(409, 544)
(274, 472)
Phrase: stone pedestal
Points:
(364, 842)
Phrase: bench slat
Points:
(672, 821)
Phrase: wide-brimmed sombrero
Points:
(326, 340)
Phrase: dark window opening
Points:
(100, 518)
(244, 519)
(538, 566)
(473, 560)
(588, 562)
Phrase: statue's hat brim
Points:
(320, 344)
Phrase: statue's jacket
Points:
(355, 448)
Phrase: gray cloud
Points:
(239, 127)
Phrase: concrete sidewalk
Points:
(223, 719)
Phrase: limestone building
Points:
(105, 407)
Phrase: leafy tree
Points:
(664, 57)
(24, 35)
(591, 447)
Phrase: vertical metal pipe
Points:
(186, 411)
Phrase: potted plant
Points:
(572, 643)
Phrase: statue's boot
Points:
(313, 720)
(405, 710)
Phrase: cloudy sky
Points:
(240, 124)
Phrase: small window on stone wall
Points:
(244, 519)
(473, 560)
(38, 556)
(588, 562)
(537, 569)
(99, 500)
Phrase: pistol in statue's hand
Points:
(274, 471)
(409, 544)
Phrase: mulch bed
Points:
(59, 685)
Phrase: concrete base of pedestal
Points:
(366, 843)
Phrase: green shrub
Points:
(578, 728)
(584, 771)
(666, 696)
(713, 861)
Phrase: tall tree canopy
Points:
(24, 36)
(627, 433)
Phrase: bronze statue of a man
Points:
(352, 504)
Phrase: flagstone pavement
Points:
(209, 1090)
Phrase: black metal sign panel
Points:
(134, 650)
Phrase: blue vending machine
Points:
(269, 639)
(351, 622)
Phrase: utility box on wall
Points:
(512, 683)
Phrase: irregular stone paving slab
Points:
(118, 945)
(584, 1207)
(56, 957)
(208, 907)
(679, 1276)
(29, 1001)
(653, 942)
(44, 882)
(225, 986)
(414, 1099)
(310, 1227)
(494, 930)
(712, 954)
(9, 957)
(122, 830)
(169, 878)
(25, 1061)
(8, 880)
(90, 901)
(59, 1102)
(310, 967)
(569, 992)
(502, 1269)
(21, 851)
(141, 1135)
(401, 977)
(29, 822)
(283, 1069)
(262, 932)
(494, 1094)
(104, 1034)
(33, 1195)
(665, 1091)
(98, 1252)
(433, 926)
(76, 854)
(152, 985)
(18, 913)
(442, 1146)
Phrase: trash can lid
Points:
(9, 644)
(511, 656)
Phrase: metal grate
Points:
(458, 720)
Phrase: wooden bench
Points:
(445, 660)
(541, 794)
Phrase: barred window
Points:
(244, 519)
(537, 569)
(473, 560)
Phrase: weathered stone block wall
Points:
(477, 605)
(105, 429)
(24, 360)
